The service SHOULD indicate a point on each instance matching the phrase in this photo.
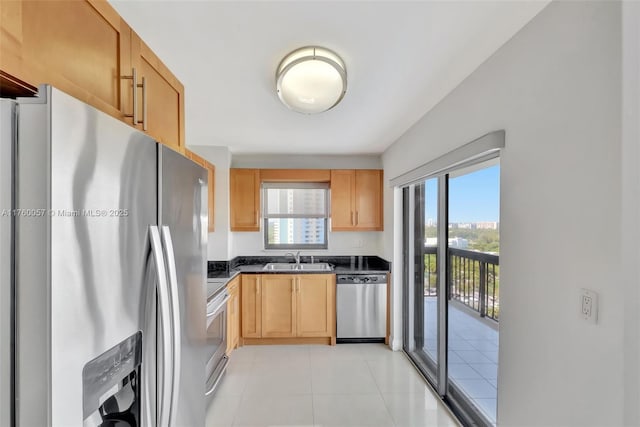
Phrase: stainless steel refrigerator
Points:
(103, 271)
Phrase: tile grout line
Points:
(384, 402)
(433, 391)
(370, 362)
(242, 391)
(313, 412)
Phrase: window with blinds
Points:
(295, 215)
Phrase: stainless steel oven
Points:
(216, 345)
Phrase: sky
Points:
(474, 197)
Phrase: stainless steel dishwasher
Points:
(361, 307)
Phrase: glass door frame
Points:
(438, 379)
(449, 393)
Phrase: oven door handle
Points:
(218, 307)
(225, 360)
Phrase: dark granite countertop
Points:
(219, 280)
(223, 276)
(341, 265)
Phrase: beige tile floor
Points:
(343, 385)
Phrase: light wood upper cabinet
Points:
(244, 199)
(211, 173)
(315, 305)
(163, 97)
(80, 47)
(343, 187)
(251, 303)
(368, 199)
(356, 196)
(356, 200)
(84, 48)
(278, 305)
(233, 314)
(11, 36)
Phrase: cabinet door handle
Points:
(257, 288)
(144, 103)
(134, 78)
(352, 218)
(356, 218)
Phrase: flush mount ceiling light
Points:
(311, 80)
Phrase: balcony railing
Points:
(474, 279)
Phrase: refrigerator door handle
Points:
(175, 321)
(165, 316)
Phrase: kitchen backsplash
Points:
(340, 243)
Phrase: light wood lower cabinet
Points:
(233, 315)
(315, 305)
(288, 306)
(278, 305)
(251, 301)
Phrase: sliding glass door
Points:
(421, 272)
(451, 304)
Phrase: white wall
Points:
(340, 243)
(219, 241)
(630, 226)
(556, 90)
(295, 161)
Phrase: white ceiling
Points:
(402, 58)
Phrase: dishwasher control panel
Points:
(360, 278)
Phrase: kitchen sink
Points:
(283, 266)
(318, 266)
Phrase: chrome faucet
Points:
(295, 256)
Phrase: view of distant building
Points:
(454, 242)
(482, 225)
(488, 225)
(290, 230)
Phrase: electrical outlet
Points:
(589, 306)
(586, 306)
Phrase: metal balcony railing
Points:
(474, 279)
